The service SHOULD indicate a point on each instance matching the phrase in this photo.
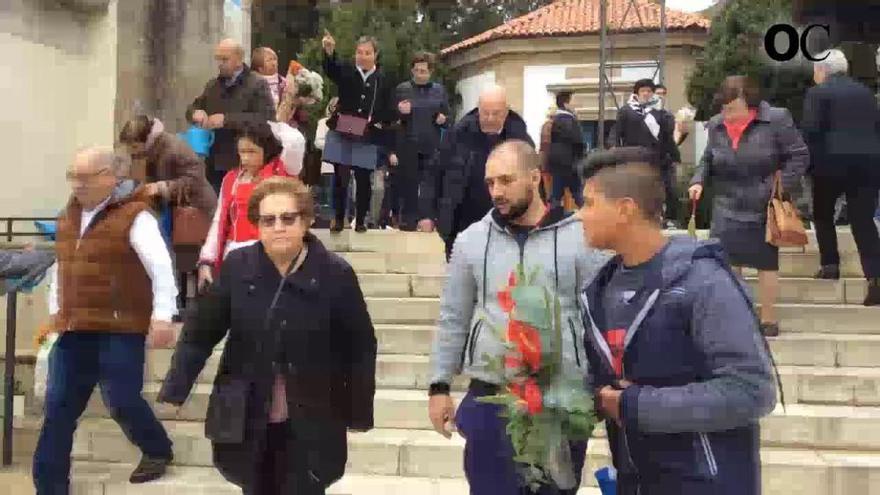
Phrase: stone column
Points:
(165, 56)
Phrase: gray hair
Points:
(105, 157)
(834, 62)
(363, 40)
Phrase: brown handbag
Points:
(784, 225)
(353, 125)
(189, 225)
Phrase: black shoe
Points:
(337, 226)
(828, 272)
(770, 329)
(150, 469)
(360, 228)
(873, 297)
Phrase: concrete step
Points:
(801, 318)
(424, 454)
(804, 384)
(826, 350)
(792, 290)
(416, 242)
(791, 264)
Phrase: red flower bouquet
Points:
(545, 406)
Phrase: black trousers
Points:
(410, 184)
(363, 194)
(861, 206)
(273, 477)
(672, 202)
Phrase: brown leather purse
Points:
(784, 225)
(189, 225)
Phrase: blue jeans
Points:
(572, 182)
(488, 453)
(78, 362)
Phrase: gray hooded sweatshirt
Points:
(483, 257)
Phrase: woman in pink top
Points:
(298, 367)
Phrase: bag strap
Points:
(777, 192)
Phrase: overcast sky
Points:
(689, 5)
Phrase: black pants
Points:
(340, 192)
(672, 201)
(410, 184)
(570, 181)
(861, 206)
(273, 476)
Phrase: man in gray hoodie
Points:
(519, 229)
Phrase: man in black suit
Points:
(237, 96)
(841, 126)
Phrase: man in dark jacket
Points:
(842, 129)
(234, 98)
(643, 122)
(681, 372)
(423, 107)
(566, 150)
(456, 195)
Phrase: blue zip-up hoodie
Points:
(701, 372)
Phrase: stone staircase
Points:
(825, 442)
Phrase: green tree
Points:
(736, 46)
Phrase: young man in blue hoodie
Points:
(680, 370)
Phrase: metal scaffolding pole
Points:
(606, 43)
(661, 59)
(603, 38)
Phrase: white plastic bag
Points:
(41, 370)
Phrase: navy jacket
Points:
(701, 373)
(419, 130)
(844, 144)
(462, 149)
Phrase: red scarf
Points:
(236, 205)
(736, 128)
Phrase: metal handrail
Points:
(9, 233)
(9, 377)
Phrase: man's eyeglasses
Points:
(288, 219)
(72, 177)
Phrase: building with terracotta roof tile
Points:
(556, 48)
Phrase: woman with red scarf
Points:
(261, 157)
(748, 143)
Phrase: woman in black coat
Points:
(749, 141)
(298, 367)
(365, 92)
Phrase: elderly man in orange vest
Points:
(114, 290)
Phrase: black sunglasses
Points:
(288, 219)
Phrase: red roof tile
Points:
(580, 17)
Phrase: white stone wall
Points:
(536, 99)
(57, 93)
(469, 88)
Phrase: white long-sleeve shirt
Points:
(147, 241)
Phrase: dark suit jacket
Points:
(841, 126)
(566, 144)
(631, 130)
(246, 101)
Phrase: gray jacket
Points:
(742, 179)
(23, 268)
(471, 320)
